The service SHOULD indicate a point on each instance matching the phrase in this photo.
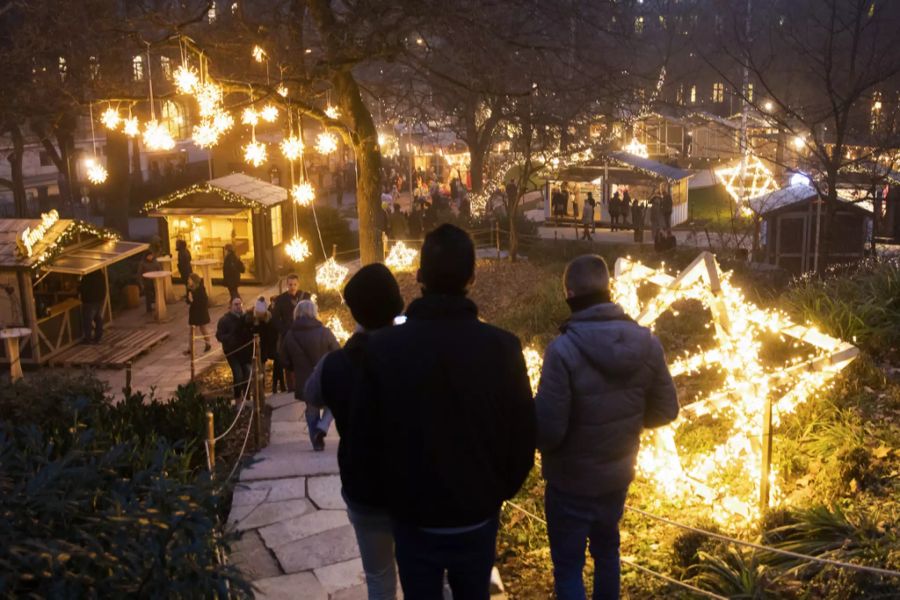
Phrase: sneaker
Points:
(318, 443)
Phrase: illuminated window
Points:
(172, 117)
(693, 94)
(94, 66)
(165, 65)
(876, 111)
(679, 94)
(748, 92)
(277, 232)
(211, 13)
(718, 94)
(639, 25)
(63, 68)
(137, 68)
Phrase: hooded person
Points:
(374, 299)
(604, 380)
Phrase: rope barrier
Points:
(797, 555)
(237, 461)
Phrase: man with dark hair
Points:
(454, 404)
(603, 381)
(283, 317)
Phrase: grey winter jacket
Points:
(303, 346)
(604, 380)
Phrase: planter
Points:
(132, 295)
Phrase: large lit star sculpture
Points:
(751, 394)
(757, 179)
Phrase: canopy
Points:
(102, 253)
(232, 190)
(49, 237)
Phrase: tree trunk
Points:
(513, 237)
(476, 167)
(20, 200)
(118, 188)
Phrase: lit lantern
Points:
(255, 153)
(292, 147)
(96, 173)
(326, 143)
(303, 193)
(156, 137)
(330, 275)
(111, 119)
(297, 249)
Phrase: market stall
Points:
(237, 209)
(41, 264)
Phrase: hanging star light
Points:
(205, 135)
(636, 148)
(259, 54)
(156, 137)
(111, 119)
(222, 121)
(330, 275)
(96, 173)
(401, 258)
(326, 143)
(303, 193)
(281, 90)
(269, 113)
(250, 117)
(292, 147)
(255, 153)
(186, 79)
(757, 179)
(337, 328)
(131, 127)
(297, 249)
(332, 112)
(209, 96)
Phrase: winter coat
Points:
(232, 269)
(666, 204)
(338, 384)
(453, 396)
(614, 204)
(233, 332)
(604, 380)
(146, 266)
(92, 287)
(264, 327)
(283, 310)
(587, 214)
(198, 312)
(303, 347)
(184, 262)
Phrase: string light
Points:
(757, 179)
(637, 148)
(303, 193)
(156, 137)
(533, 363)
(330, 275)
(332, 112)
(111, 119)
(269, 113)
(337, 328)
(326, 143)
(186, 79)
(96, 173)
(297, 249)
(292, 147)
(250, 116)
(259, 54)
(255, 153)
(401, 258)
(131, 127)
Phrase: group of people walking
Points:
(438, 426)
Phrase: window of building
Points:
(748, 92)
(94, 67)
(165, 65)
(44, 159)
(277, 227)
(639, 25)
(137, 68)
(679, 94)
(693, 94)
(63, 68)
(173, 118)
(718, 94)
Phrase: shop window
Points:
(277, 226)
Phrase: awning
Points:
(86, 259)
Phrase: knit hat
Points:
(373, 296)
(260, 307)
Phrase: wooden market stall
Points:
(236, 209)
(41, 263)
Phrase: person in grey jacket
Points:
(304, 345)
(604, 380)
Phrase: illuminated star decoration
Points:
(739, 329)
(157, 137)
(337, 328)
(292, 147)
(111, 119)
(330, 275)
(636, 148)
(131, 127)
(96, 173)
(326, 143)
(255, 153)
(297, 249)
(303, 193)
(401, 258)
(269, 113)
(757, 179)
(332, 112)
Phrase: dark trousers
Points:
(232, 291)
(92, 321)
(240, 373)
(613, 221)
(467, 558)
(278, 376)
(572, 522)
(149, 296)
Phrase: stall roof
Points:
(48, 248)
(790, 195)
(94, 256)
(235, 189)
(650, 166)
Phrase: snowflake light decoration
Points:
(303, 194)
(326, 143)
(250, 116)
(111, 119)
(401, 258)
(297, 249)
(332, 112)
(131, 127)
(96, 173)
(269, 113)
(636, 148)
(292, 147)
(186, 79)
(282, 90)
(330, 275)
(259, 54)
(205, 134)
(255, 153)
(157, 137)
(757, 179)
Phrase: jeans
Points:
(317, 419)
(149, 296)
(376, 549)
(422, 558)
(572, 521)
(240, 373)
(92, 321)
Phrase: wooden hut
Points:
(236, 209)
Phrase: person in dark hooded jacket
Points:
(603, 381)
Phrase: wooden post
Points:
(191, 342)
(128, 378)
(497, 231)
(766, 455)
(211, 442)
(254, 387)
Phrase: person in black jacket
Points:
(453, 399)
(232, 268)
(283, 318)
(233, 331)
(374, 299)
(198, 312)
(92, 290)
(184, 264)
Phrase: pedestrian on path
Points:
(232, 267)
(587, 216)
(261, 324)
(666, 208)
(374, 299)
(303, 347)
(455, 414)
(198, 313)
(615, 204)
(603, 381)
(92, 291)
(233, 331)
(283, 318)
(184, 263)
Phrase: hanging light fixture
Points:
(282, 90)
(330, 275)
(297, 249)
(205, 135)
(292, 147)
(326, 143)
(269, 113)
(131, 127)
(332, 112)
(156, 137)
(259, 54)
(111, 119)
(250, 117)
(96, 173)
(303, 193)
(186, 79)
(255, 153)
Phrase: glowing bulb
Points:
(303, 193)
(186, 80)
(292, 147)
(768, 106)
(326, 143)
(249, 116)
(255, 153)
(297, 249)
(96, 173)
(269, 113)
(799, 142)
(401, 258)
(156, 137)
(330, 275)
(110, 118)
(131, 127)
(259, 54)
(382, 139)
(332, 112)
